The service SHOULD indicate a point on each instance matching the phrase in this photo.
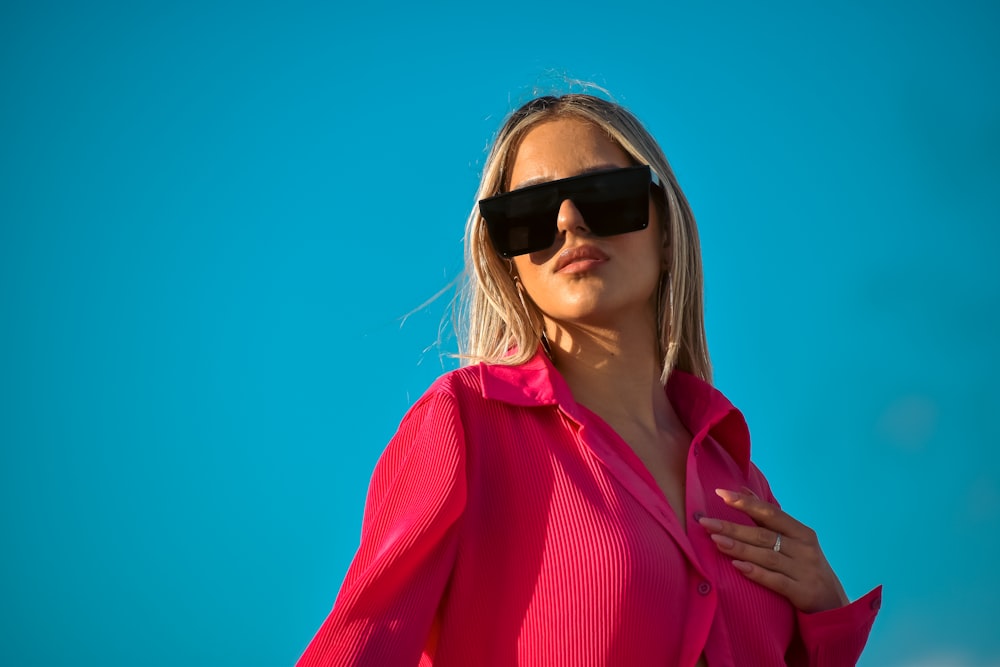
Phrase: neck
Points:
(614, 372)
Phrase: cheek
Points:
(529, 267)
(521, 267)
(530, 278)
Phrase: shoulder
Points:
(456, 388)
(480, 394)
(532, 383)
(460, 383)
(432, 429)
(447, 398)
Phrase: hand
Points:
(799, 570)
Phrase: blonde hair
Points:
(498, 325)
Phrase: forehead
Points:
(561, 148)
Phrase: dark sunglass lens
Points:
(526, 233)
(615, 216)
(522, 221)
(612, 202)
(616, 202)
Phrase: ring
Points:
(777, 543)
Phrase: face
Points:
(584, 279)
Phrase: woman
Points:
(582, 495)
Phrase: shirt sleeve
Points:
(833, 638)
(386, 607)
(837, 637)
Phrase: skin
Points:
(799, 571)
(600, 323)
(618, 289)
(601, 326)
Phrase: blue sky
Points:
(214, 217)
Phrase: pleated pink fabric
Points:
(507, 525)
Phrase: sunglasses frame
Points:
(537, 206)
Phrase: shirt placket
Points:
(716, 641)
(701, 590)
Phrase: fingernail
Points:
(723, 541)
(712, 525)
(727, 495)
(742, 566)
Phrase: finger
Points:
(776, 581)
(765, 514)
(753, 535)
(764, 557)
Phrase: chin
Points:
(586, 314)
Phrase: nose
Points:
(570, 219)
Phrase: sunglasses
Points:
(611, 202)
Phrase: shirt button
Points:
(704, 588)
(698, 516)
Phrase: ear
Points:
(512, 270)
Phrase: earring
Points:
(546, 346)
(544, 339)
(520, 295)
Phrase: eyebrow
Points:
(538, 180)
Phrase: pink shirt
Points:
(508, 525)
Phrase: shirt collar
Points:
(535, 382)
(702, 408)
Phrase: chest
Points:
(664, 458)
(560, 531)
(568, 527)
(579, 497)
(585, 502)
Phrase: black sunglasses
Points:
(611, 202)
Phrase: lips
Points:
(580, 258)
